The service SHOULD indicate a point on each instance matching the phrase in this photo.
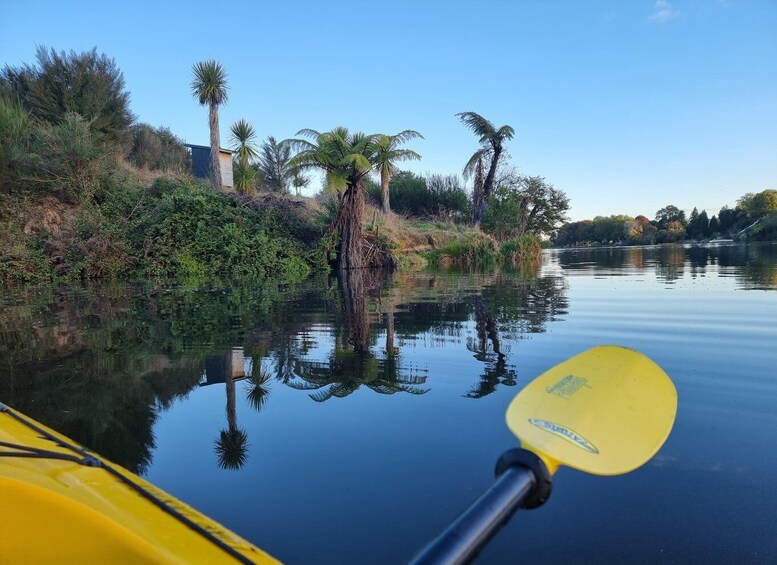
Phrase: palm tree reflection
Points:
(351, 363)
(258, 384)
(346, 371)
(231, 447)
(496, 370)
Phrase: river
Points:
(348, 421)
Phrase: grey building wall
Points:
(201, 164)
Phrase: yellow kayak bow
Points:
(63, 504)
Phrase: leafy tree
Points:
(158, 149)
(728, 218)
(545, 206)
(501, 218)
(209, 87)
(714, 225)
(693, 224)
(575, 233)
(531, 204)
(16, 129)
(275, 167)
(608, 229)
(640, 231)
(346, 158)
(440, 196)
(703, 224)
(88, 84)
(447, 197)
(492, 146)
(387, 154)
(675, 231)
(668, 214)
(68, 160)
(409, 194)
(15, 84)
(759, 205)
(698, 224)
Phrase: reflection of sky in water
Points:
(371, 477)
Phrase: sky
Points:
(627, 106)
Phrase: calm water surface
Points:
(349, 421)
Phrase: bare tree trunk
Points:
(391, 351)
(479, 208)
(215, 146)
(477, 194)
(355, 302)
(231, 405)
(384, 192)
(348, 223)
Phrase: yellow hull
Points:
(55, 507)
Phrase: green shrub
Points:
(522, 251)
(470, 252)
(193, 232)
(158, 149)
(15, 134)
(441, 196)
(62, 83)
(503, 213)
(68, 162)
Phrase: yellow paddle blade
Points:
(605, 411)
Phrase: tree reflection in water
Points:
(258, 384)
(232, 444)
(100, 364)
(510, 307)
(351, 363)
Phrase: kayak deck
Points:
(64, 504)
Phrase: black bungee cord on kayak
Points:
(37, 453)
(88, 460)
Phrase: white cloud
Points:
(663, 12)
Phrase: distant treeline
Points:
(754, 218)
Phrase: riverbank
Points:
(162, 227)
(170, 228)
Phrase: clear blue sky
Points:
(626, 105)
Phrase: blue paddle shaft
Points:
(463, 539)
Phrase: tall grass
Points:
(522, 251)
(473, 252)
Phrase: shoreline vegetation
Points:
(87, 192)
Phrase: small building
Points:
(201, 164)
(219, 367)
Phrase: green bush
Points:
(522, 204)
(503, 213)
(522, 251)
(15, 134)
(439, 196)
(158, 149)
(193, 232)
(62, 83)
(470, 252)
(68, 161)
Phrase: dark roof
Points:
(206, 147)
